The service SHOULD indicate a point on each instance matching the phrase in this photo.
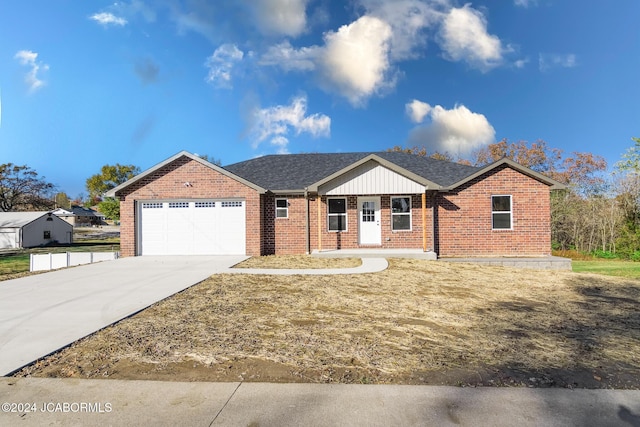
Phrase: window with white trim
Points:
(401, 213)
(501, 214)
(282, 208)
(337, 214)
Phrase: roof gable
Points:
(114, 192)
(19, 219)
(552, 183)
(371, 177)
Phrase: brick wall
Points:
(465, 223)
(168, 183)
(284, 236)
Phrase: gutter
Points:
(307, 226)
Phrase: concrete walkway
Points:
(41, 401)
(42, 313)
(369, 265)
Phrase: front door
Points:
(369, 220)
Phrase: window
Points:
(237, 204)
(178, 205)
(401, 213)
(152, 206)
(337, 214)
(205, 204)
(282, 208)
(501, 212)
(47, 234)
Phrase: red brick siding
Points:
(464, 218)
(284, 236)
(168, 183)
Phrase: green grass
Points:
(14, 264)
(19, 262)
(627, 269)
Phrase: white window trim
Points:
(346, 216)
(410, 213)
(510, 212)
(286, 209)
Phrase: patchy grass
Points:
(628, 269)
(298, 261)
(419, 322)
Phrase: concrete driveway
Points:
(41, 314)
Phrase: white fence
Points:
(42, 262)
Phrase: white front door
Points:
(369, 220)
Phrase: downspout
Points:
(435, 220)
(307, 226)
(424, 220)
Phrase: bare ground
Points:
(419, 322)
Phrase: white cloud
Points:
(521, 63)
(290, 59)
(417, 110)
(355, 59)
(280, 17)
(547, 61)
(525, 3)
(464, 37)
(30, 59)
(409, 20)
(221, 63)
(457, 131)
(275, 123)
(106, 18)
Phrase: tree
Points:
(62, 201)
(110, 176)
(110, 207)
(628, 196)
(21, 189)
(422, 152)
(210, 159)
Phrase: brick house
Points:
(299, 203)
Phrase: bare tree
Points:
(21, 189)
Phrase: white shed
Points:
(29, 229)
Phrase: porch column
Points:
(319, 203)
(424, 221)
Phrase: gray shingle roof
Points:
(298, 171)
(18, 219)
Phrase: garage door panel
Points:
(213, 227)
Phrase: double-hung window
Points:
(337, 214)
(401, 213)
(501, 212)
(282, 208)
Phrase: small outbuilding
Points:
(30, 229)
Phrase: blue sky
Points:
(86, 83)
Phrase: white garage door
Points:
(188, 227)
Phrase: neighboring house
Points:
(65, 215)
(86, 216)
(299, 203)
(30, 229)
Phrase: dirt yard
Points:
(419, 322)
